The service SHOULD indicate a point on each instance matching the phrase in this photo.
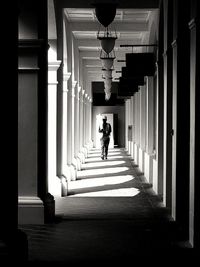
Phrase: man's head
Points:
(104, 118)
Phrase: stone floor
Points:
(111, 215)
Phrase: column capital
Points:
(54, 65)
(52, 71)
(78, 89)
(74, 83)
(66, 76)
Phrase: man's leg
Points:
(102, 149)
(106, 147)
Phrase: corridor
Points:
(110, 215)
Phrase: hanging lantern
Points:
(107, 96)
(105, 13)
(107, 73)
(107, 63)
(108, 82)
(107, 43)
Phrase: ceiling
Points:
(132, 26)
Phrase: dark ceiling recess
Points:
(99, 95)
(141, 64)
(130, 75)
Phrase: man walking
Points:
(105, 129)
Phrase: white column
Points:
(83, 151)
(81, 154)
(86, 123)
(142, 127)
(90, 123)
(143, 117)
(54, 183)
(137, 127)
(70, 137)
(126, 125)
(133, 125)
(76, 159)
(66, 174)
(149, 154)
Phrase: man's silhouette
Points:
(105, 129)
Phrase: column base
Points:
(81, 156)
(73, 172)
(55, 187)
(132, 149)
(129, 147)
(49, 208)
(136, 158)
(141, 160)
(64, 186)
(66, 172)
(30, 210)
(148, 171)
(91, 144)
(155, 176)
(191, 228)
(84, 151)
(77, 163)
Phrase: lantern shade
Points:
(107, 43)
(107, 86)
(107, 73)
(107, 63)
(107, 90)
(107, 82)
(105, 13)
(107, 96)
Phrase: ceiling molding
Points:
(118, 26)
(143, 4)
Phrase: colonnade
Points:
(54, 114)
(76, 128)
(163, 116)
(140, 128)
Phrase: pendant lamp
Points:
(107, 73)
(107, 63)
(107, 96)
(107, 82)
(107, 43)
(105, 13)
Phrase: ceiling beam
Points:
(121, 3)
(98, 62)
(95, 55)
(118, 26)
(96, 43)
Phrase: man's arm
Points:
(100, 130)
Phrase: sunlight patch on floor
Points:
(110, 153)
(121, 192)
(104, 163)
(102, 171)
(97, 158)
(113, 180)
